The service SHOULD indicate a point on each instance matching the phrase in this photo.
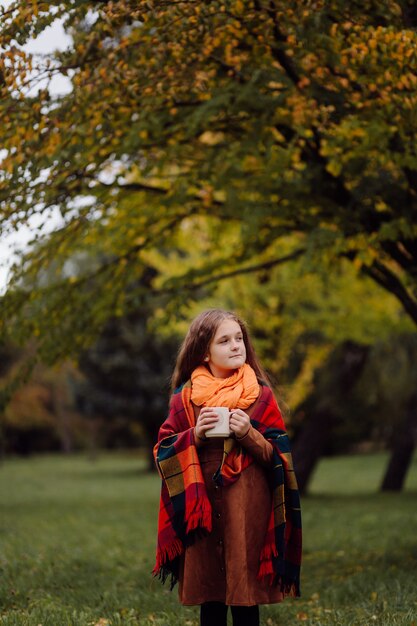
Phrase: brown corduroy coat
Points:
(223, 566)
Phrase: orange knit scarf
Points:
(239, 390)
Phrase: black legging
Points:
(215, 614)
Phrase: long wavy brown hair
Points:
(197, 341)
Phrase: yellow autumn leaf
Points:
(334, 167)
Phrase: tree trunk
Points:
(334, 380)
(402, 450)
(61, 408)
(309, 447)
(94, 424)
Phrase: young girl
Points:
(229, 527)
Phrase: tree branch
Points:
(160, 191)
(277, 52)
(390, 282)
(400, 254)
(237, 272)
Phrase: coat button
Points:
(220, 542)
(218, 515)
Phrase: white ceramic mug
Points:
(221, 428)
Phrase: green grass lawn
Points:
(78, 540)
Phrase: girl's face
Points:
(227, 350)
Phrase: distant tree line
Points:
(363, 398)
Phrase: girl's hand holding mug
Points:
(239, 423)
(206, 420)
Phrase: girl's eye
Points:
(226, 340)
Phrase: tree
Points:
(402, 450)
(325, 408)
(127, 374)
(271, 118)
(37, 411)
(361, 393)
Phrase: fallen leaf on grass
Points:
(303, 617)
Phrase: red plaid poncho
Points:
(185, 510)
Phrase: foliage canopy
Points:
(275, 129)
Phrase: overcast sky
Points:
(53, 38)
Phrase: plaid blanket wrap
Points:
(185, 510)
